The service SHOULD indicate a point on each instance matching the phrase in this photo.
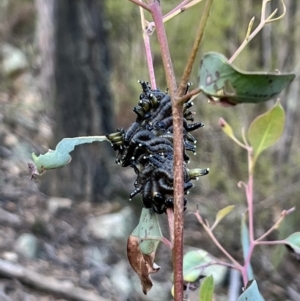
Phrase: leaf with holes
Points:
(222, 82)
(60, 157)
(266, 129)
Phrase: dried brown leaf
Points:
(142, 264)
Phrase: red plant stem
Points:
(177, 112)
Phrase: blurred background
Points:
(70, 68)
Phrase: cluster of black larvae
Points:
(147, 146)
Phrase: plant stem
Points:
(272, 242)
(148, 51)
(263, 21)
(141, 4)
(217, 243)
(189, 66)
(177, 112)
(180, 8)
(189, 95)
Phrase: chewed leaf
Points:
(266, 129)
(224, 83)
(60, 157)
(293, 242)
(196, 264)
(207, 289)
(251, 293)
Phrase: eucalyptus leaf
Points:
(222, 82)
(251, 293)
(60, 157)
(207, 289)
(266, 129)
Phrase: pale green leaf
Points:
(266, 129)
(60, 157)
(251, 293)
(148, 231)
(196, 264)
(222, 213)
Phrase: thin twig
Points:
(182, 7)
(263, 21)
(189, 66)
(189, 95)
(217, 243)
(141, 4)
(276, 225)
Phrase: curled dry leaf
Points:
(142, 264)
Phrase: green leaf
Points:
(195, 265)
(246, 245)
(60, 157)
(207, 289)
(222, 82)
(251, 293)
(266, 129)
(222, 213)
(293, 241)
(148, 231)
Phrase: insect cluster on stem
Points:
(147, 147)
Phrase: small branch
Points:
(276, 225)
(141, 4)
(47, 284)
(189, 66)
(214, 239)
(271, 242)
(189, 95)
(216, 262)
(263, 21)
(182, 7)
